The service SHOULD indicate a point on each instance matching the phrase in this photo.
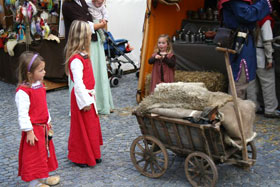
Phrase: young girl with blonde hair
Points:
(36, 153)
(85, 132)
(163, 61)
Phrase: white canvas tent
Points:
(126, 19)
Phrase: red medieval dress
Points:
(163, 70)
(85, 132)
(35, 161)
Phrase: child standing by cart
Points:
(36, 153)
(85, 133)
(164, 62)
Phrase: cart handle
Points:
(221, 49)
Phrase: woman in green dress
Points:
(103, 95)
(78, 10)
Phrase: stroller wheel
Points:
(114, 81)
(119, 73)
(137, 74)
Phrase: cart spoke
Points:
(193, 170)
(202, 162)
(153, 146)
(157, 152)
(152, 167)
(143, 159)
(145, 166)
(138, 153)
(140, 147)
(208, 178)
(146, 144)
(196, 161)
(194, 176)
(191, 163)
(159, 159)
(200, 180)
(158, 166)
(147, 157)
(206, 166)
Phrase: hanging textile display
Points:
(31, 21)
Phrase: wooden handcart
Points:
(202, 144)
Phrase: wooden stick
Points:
(236, 108)
(221, 49)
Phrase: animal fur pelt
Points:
(182, 95)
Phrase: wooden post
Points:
(234, 95)
(144, 48)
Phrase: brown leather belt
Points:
(46, 136)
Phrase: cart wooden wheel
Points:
(252, 154)
(149, 156)
(200, 170)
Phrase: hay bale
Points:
(214, 81)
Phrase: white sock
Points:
(33, 183)
(43, 180)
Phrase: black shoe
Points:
(260, 110)
(276, 114)
(81, 165)
(98, 160)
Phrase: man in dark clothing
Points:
(241, 16)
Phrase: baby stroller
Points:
(113, 50)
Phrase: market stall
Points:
(31, 26)
(49, 50)
(191, 29)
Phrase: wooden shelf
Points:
(202, 21)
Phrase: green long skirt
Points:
(104, 100)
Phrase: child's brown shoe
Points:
(53, 180)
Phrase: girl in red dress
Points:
(85, 132)
(36, 153)
(164, 62)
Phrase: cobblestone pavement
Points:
(119, 130)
